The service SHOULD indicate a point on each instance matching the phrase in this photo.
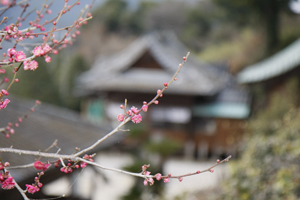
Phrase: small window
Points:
(178, 115)
(95, 110)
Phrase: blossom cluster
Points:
(133, 113)
(24, 54)
(15, 34)
(149, 180)
(35, 187)
(41, 166)
(70, 166)
(14, 55)
(5, 179)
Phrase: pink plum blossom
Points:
(166, 180)
(136, 119)
(134, 110)
(47, 59)
(38, 165)
(32, 189)
(4, 103)
(4, 2)
(47, 48)
(11, 52)
(20, 56)
(38, 51)
(8, 183)
(145, 182)
(158, 176)
(32, 65)
(120, 117)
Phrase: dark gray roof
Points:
(113, 73)
(43, 127)
(280, 63)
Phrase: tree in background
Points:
(262, 14)
(269, 163)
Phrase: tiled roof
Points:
(234, 102)
(113, 73)
(280, 63)
(42, 128)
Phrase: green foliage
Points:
(51, 82)
(76, 65)
(266, 12)
(38, 84)
(269, 165)
(116, 16)
(165, 147)
(112, 13)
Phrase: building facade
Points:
(203, 110)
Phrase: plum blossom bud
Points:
(158, 176)
(145, 108)
(129, 112)
(145, 167)
(46, 166)
(120, 117)
(83, 165)
(166, 180)
(180, 179)
(134, 110)
(4, 92)
(145, 182)
(151, 181)
(47, 59)
(165, 84)
(147, 173)
(211, 170)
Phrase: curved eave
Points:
(276, 65)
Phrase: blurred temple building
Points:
(204, 109)
(272, 74)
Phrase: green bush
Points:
(270, 163)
